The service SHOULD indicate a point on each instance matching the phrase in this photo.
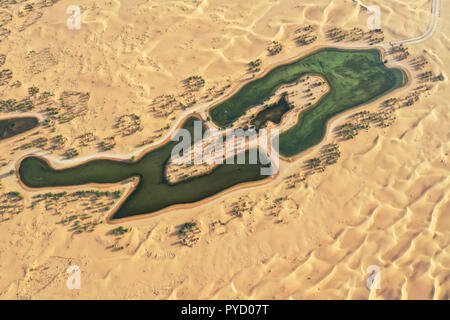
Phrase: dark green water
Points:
(14, 126)
(153, 192)
(272, 113)
(355, 77)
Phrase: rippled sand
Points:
(385, 203)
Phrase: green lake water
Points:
(154, 192)
(273, 113)
(14, 126)
(355, 77)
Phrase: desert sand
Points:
(384, 203)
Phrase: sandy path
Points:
(384, 203)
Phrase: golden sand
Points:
(385, 202)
